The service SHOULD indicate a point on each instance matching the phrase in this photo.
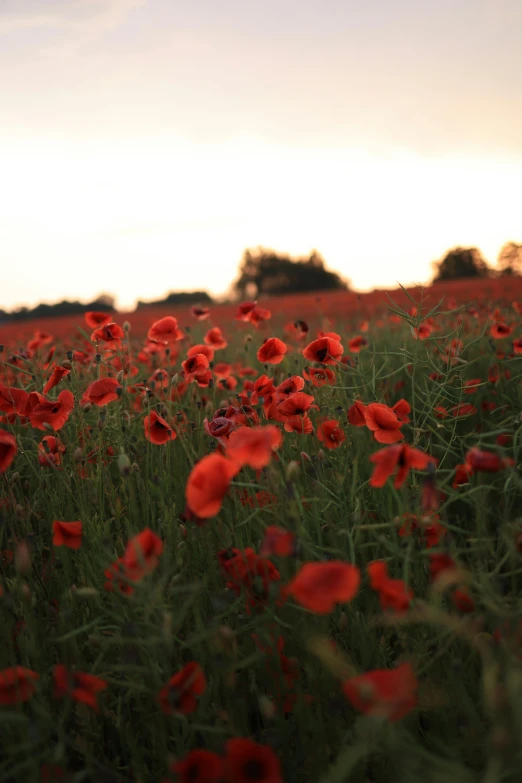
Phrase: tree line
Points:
(266, 272)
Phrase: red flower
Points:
(401, 410)
(517, 346)
(356, 343)
(331, 434)
(247, 762)
(356, 414)
(50, 450)
(142, 552)
(319, 586)
(393, 593)
(278, 542)
(423, 331)
(194, 365)
(108, 333)
(159, 379)
(295, 405)
(462, 600)
(179, 694)
(500, 330)
(165, 331)
(272, 351)
(17, 685)
(390, 693)
(400, 458)
(214, 338)
(93, 318)
(199, 766)
(471, 386)
(479, 460)
(80, 686)
(319, 376)
(325, 350)
(67, 534)
(208, 484)
(440, 562)
(157, 430)
(52, 412)
(13, 400)
(101, 392)
(7, 450)
(201, 313)
(383, 422)
(206, 350)
(254, 446)
(220, 428)
(56, 376)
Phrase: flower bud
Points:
(22, 558)
(292, 470)
(124, 465)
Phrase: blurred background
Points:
(149, 146)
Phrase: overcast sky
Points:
(145, 143)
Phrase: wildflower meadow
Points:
(280, 544)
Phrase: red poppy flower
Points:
(13, 400)
(8, 450)
(94, 319)
(272, 351)
(319, 376)
(423, 331)
(220, 428)
(17, 684)
(108, 333)
(383, 422)
(401, 409)
(206, 350)
(439, 563)
(222, 370)
(295, 405)
(80, 686)
(56, 376)
(324, 350)
(165, 331)
(199, 766)
(357, 343)
(214, 338)
(179, 694)
(517, 346)
(485, 461)
(246, 761)
(462, 600)
(393, 593)
(471, 386)
(278, 541)
(356, 414)
(101, 392)
(390, 693)
(39, 340)
(244, 310)
(500, 330)
(401, 458)
(157, 430)
(201, 313)
(194, 365)
(67, 534)
(319, 586)
(142, 553)
(208, 484)
(330, 433)
(254, 446)
(52, 412)
(463, 409)
(301, 424)
(50, 450)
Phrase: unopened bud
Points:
(174, 379)
(120, 376)
(78, 455)
(320, 455)
(67, 364)
(306, 456)
(135, 467)
(22, 558)
(124, 465)
(343, 621)
(183, 531)
(126, 327)
(292, 470)
(87, 407)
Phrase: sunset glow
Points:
(144, 145)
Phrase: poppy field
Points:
(272, 542)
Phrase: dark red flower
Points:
(53, 413)
(67, 534)
(94, 319)
(157, 430)
(208, 484)
(278, 541)
(330, 433)
(7, 450)
(165, 331)
(390, 693)
(356, 415)
(383, 422)
(248, 762)
(272, 351)
(101, 392)
(80, 686)
(17, 685)
(199, 766)
(179, 694)
(56, 376)
(320, 586)
(398, 459)
(393, 593)
(324, 350)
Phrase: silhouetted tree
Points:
(461, 262)
(510, 259)
(265, 271)
(180, 298)
(104, 302)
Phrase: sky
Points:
(144, 144)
